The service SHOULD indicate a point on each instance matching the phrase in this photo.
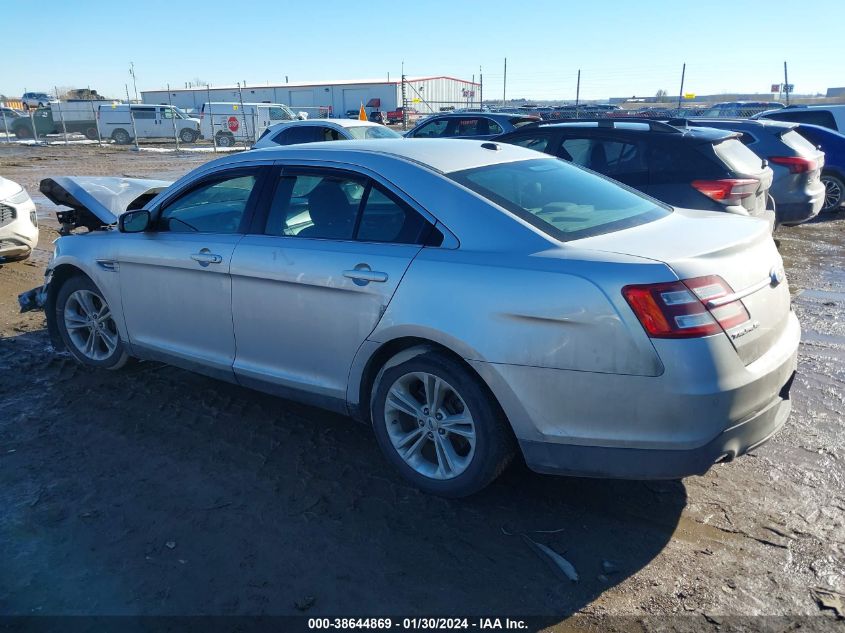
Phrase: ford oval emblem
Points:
(777, 275)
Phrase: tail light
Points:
(685, 309)
(796, 164)
(727, 191)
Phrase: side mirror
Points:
(765, 163)
(134, 221)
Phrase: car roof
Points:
(338, 122)
(440, 154)
(751, 124)
(621, 125)
(490, 115)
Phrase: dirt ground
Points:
(155, 491)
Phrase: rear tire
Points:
(23, 132)
(121, 136)
(86, 325)
(91, 134)
(834, 192)
(188, 135)
(225, 139)
(437, 423)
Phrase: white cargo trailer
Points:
(230, 122)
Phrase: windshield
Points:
(563, 200)
(181, 114)
(372, 131)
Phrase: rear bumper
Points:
(632, 463)
(791, 214)
(706, 407)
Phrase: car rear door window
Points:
(298, 134)
(470, 127)
(493, 127)
(144, 113)
(433, 129)
(215, 206)
(618, 159)
(315, 204)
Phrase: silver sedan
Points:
(468, 300)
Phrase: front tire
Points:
(834, 192)
(87, 326)
(438, 425)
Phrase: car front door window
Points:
(433, 129)
(217, 206)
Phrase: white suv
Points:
(35, 99)
(18, 223)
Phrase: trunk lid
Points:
(746, 164)
(738, 249)
(98, 201)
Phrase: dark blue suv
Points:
(833, 173)
(691, 167)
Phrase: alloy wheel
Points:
(90, 326)
(430, 425)
(832, 194)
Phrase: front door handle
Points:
(363, 276)
(205, 257)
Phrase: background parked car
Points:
(35, 99)
(377, 116)
(469, 125)
(694, 168)
(18, 222)
(396, 116)
(796, 163)
(56, 118)
(831, 116)
(316, 130)
(230, 122)
(833, 172)
(733, 109)
(150, 121)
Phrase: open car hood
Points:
(97, 201)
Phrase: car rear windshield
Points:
(738, 157)
(797, 142)
(372, 131)
(563, 200)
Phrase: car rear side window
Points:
(797, 142)
(387, 219)
(563, 201)
(537, 143)
(143, 113)
(738, 157)
(493, 127)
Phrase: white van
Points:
(229, 122)
(151, 121)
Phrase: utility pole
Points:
(134, 86)
(480, 88)
(786, 83)
(681, 93)
(404, 99)
(577, 93)
(505, 84)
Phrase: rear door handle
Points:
(364, 276)
(204, 257)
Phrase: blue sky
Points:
(622, 48)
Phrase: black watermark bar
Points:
(692, 623)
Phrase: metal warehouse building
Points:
(426, 94)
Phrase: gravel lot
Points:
(156, 491)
